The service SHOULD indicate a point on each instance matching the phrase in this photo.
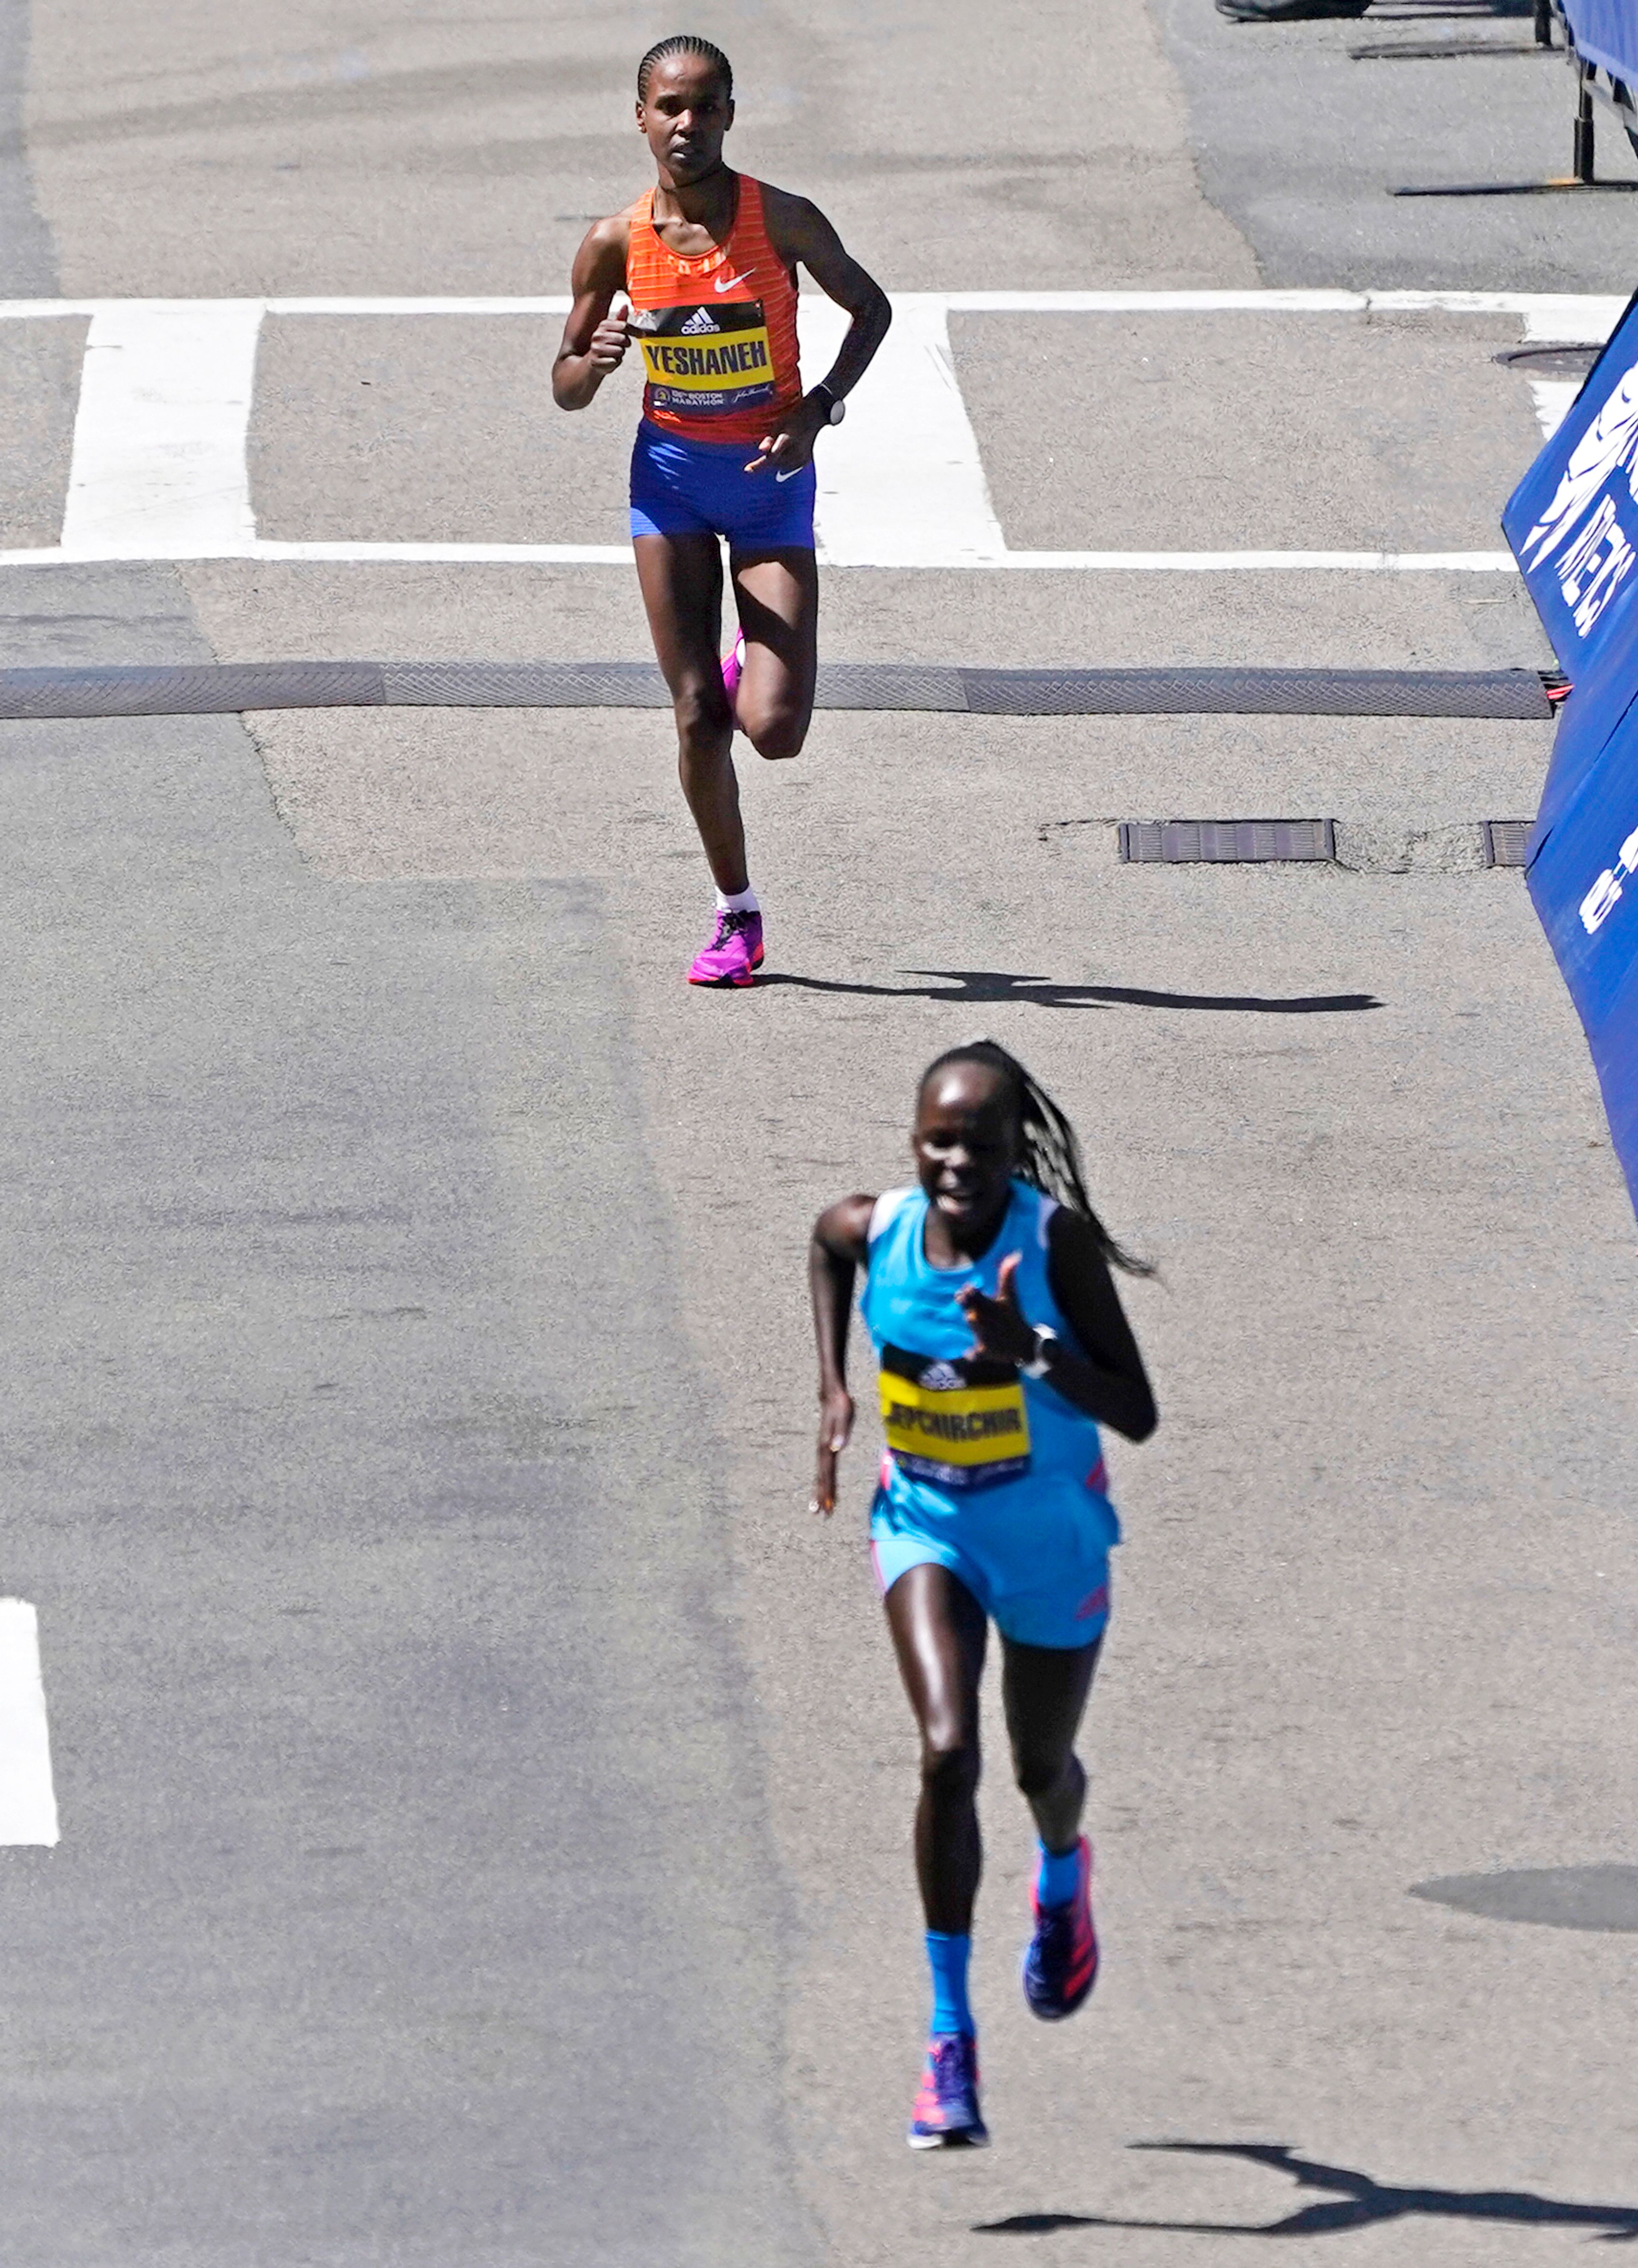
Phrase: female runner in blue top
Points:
(1001, 1343)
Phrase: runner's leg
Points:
(1044, 1691)
(938, 1631)
(778, 595)
(681, 576)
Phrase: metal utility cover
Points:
(1505, 840)
(1226, 842)
(1550, 361)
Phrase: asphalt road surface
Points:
(484, 1793)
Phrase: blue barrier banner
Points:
(1585, 880)
(1573, 520)
(1605, 687)
(1606, 33)
(1583, 883)
(1572, 525)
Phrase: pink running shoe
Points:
(733, 670)
(733, 953)
(1060, 1967)
(947, 2114)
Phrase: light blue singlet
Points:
(989, 1474)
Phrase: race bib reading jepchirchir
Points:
(961, 1423)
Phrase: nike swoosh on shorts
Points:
(792, 475)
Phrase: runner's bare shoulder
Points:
(844, 1228)
(600, 263)
(798, 229)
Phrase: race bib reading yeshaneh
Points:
(962, 1425)
(706, 360)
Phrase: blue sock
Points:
(948, 1957)
(1059, 1877)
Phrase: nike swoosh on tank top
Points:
(716, 334)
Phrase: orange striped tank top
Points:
(718, 334)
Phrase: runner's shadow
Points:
(1356, 2202)
(985, 986)
(971, 985)
(1244, 1004)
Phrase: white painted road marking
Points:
(158, 469)
(158, 466)
(28, 1804)
(1125, 562)
(901, 481)
(1552, 398)
(1564, 317)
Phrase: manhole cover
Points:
(1561, 1897)
(1549, 362)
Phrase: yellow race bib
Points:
(962, 1425)
(706, 360)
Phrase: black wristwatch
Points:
(836, 408)
(1045, 1340)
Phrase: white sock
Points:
(738, 902)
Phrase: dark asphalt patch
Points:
(414, 1898)
(1602, 1897)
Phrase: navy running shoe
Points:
(1060, 1967)
(947, 2115)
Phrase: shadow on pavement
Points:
(1603, 1897)
(1448, 14)
(1356, 2202)
(986, 985)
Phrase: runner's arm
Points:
(799, 233)
(594, 342)
(838, 1252)
(1108, 1382)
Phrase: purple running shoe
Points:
(946, 2115)
(733, 953)
(733, 670)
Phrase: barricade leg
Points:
(1581, 163)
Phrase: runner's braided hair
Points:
(1049, 1153)
(683, 43)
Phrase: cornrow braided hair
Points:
(683, 43)
(1049, 1152)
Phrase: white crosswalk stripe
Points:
(158, 468)
(28, 1804)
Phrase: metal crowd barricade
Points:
(1601, 40)
(1600, 43)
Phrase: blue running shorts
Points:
(1048, 1587)
(701, 488)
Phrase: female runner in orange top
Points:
(708, 258)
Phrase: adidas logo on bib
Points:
(699, 321)
(942, 1378)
